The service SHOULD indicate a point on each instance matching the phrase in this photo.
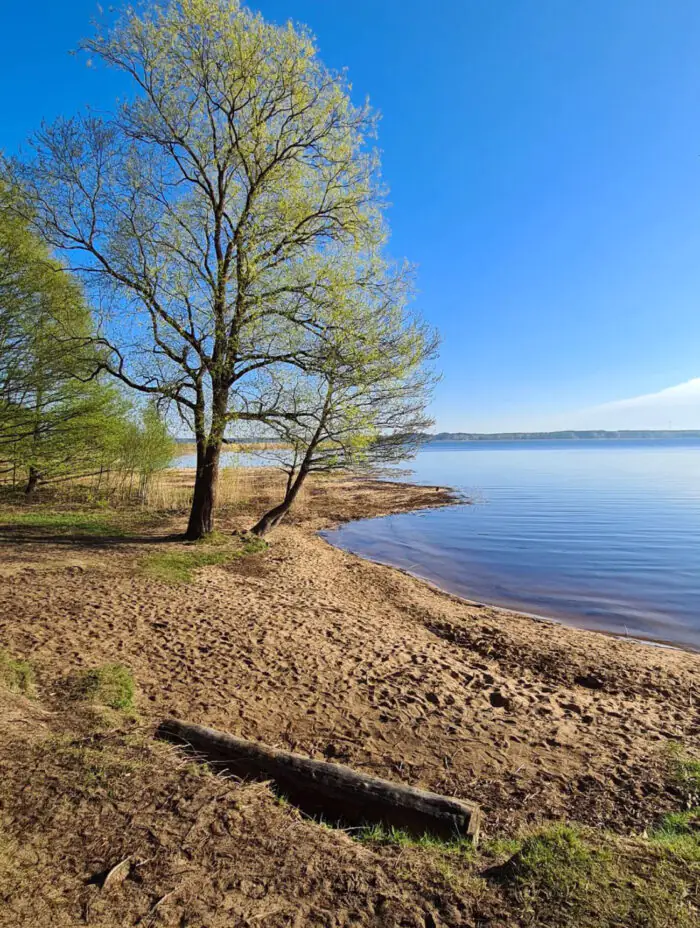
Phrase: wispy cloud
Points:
(676, 407)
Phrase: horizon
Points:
(544, 175)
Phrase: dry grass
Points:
(240, 447)
(239, 487)
(169, 491)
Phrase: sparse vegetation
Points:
(94, 768)
(179, 566)
(563, 877)
(17, 675)
(397, 837)
(685, 773)
(72, 522)
(679, 832)
(111, 685)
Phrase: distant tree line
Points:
(224, 246)
(630, 434)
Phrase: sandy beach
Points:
(310, 648)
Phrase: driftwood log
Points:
(333, 790)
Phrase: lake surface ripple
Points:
(600, 534)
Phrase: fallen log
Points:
(333, 790)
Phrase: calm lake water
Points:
(600, 534)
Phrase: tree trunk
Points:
(32, 481)
(332, 790)
(201, 521)
(274, 516)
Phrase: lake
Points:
(599, 534)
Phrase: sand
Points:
(313, 649)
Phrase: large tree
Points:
(207, 207)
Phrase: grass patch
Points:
(63, 523)
(214, 540)
(111, 685)
(686, 776)
(450, 858)
(500, 847)
(679, 833)
(563, 878)
(180, 566)
(397, 837)
(16, 675)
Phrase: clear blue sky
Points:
(543, 158)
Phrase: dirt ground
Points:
(309, 648)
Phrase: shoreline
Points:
(511, 610)
(454, 499)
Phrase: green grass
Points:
(500, 847)
(64, 523)
(111, 685)
(564, 878)
(397, 837)
(679, 833)
(686, 775)
(180, 566)
(17, 675)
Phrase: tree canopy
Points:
(208, 210)
(361, 403)
(228, 218)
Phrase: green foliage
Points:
(111, 685)
(17, 675)
(57, 416)
(145, 447)
(254, 208)
(180, 566)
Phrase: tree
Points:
(204, 209)
(146, 447)
(362, 406)
(56, 417)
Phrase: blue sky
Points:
(543, 160)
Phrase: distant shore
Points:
(187, 446)
(568, 435)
